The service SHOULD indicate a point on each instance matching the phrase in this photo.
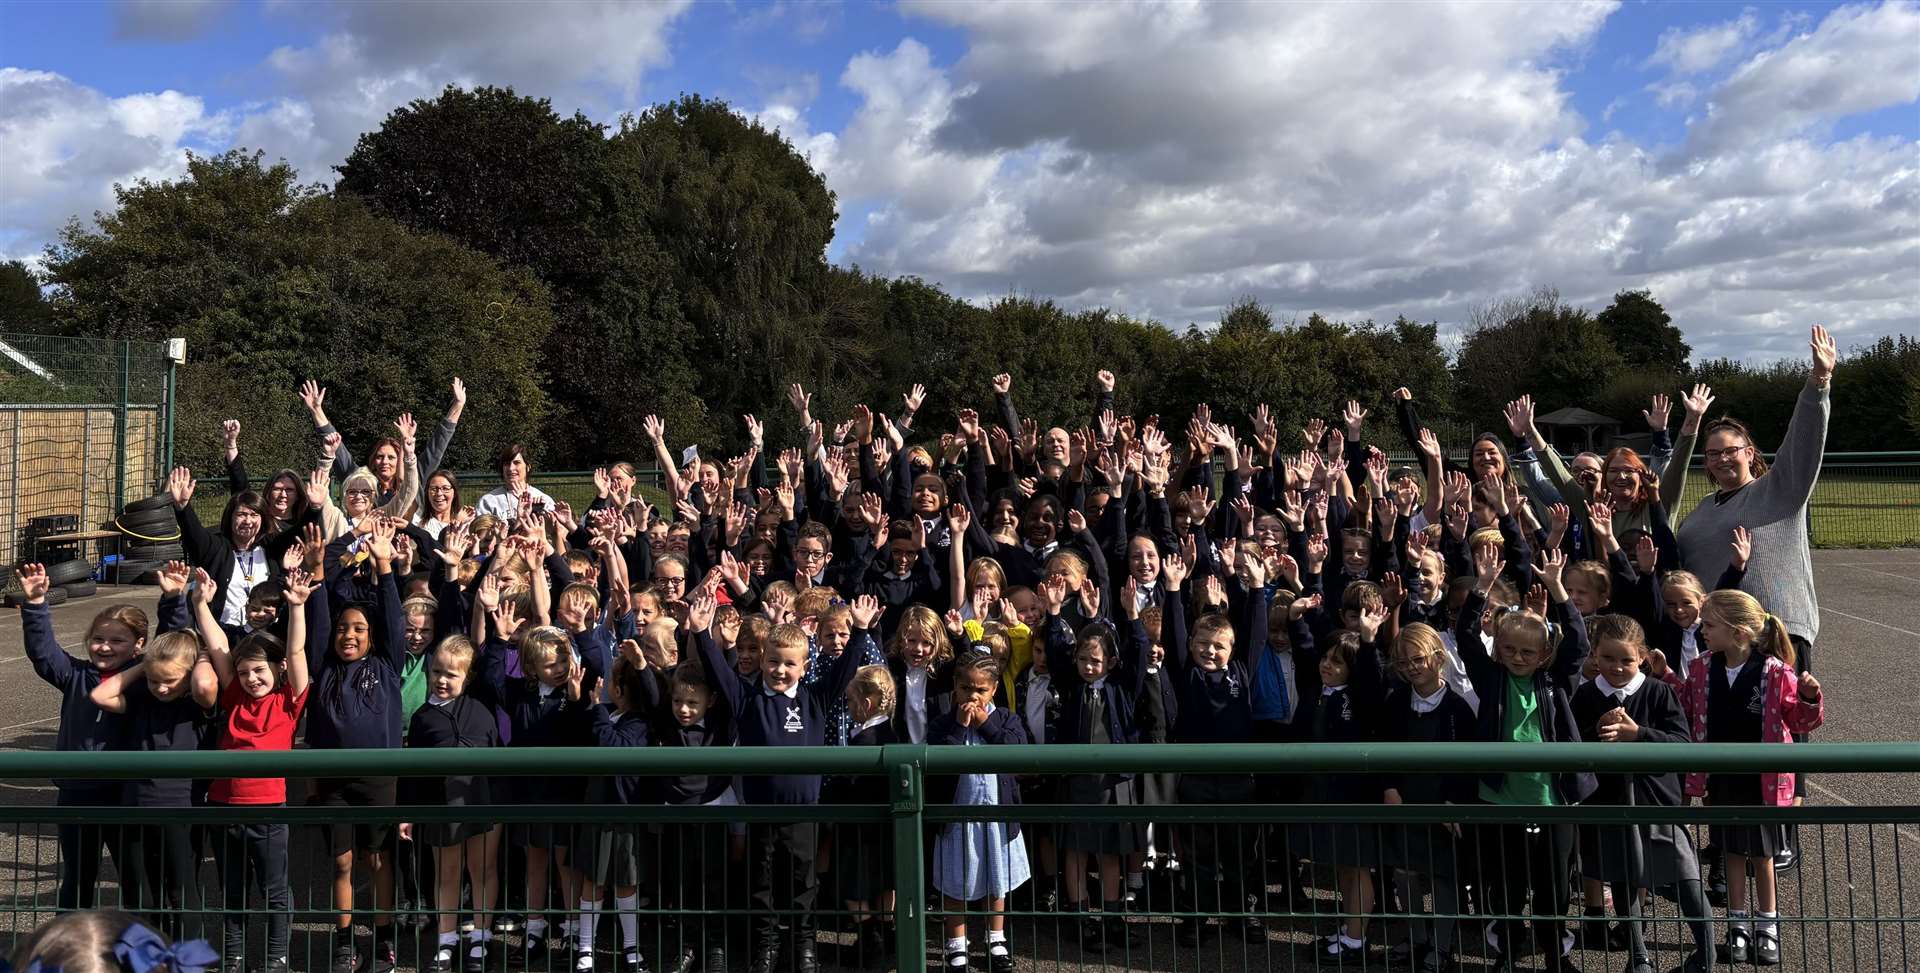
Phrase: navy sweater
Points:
(356, 705)
(764, 718)
(83, 726)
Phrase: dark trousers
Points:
(1518, 859)
(696, 880)
(80, 846)
(783, 880)
(159, 865)
(259, 849)
(1217, 857)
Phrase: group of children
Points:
(994, 585)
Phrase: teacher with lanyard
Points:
(1770, 502)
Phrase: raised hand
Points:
(1520, 417)
(1742, 548)
(315, 398)
(1105, 380)
(1487, 565)
(1696, 403)
(1656, 664)
(799, 399)
(654, 428)
(913, 399)
(865, 611)
(299, 586)
(1403, 394)
(1392, 591)
(1658, 413)
(1496, 493)
(202, 587)
(180, 487)
(174, 578)
(459, 396)
(1537, 600)
(407, 428)
(701, 608)
(1355, 418)
(1600, 512)
(34, 584)
(1429, 444)
(1552, 565)
(1825, 355)
(1645, 555)
(1053, 593)
(959, 518)
(1002, 383)
(230, 433)
(1076, 521)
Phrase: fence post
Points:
(906, 782)
(120, 429)
(173, 366)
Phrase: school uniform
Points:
(460, 722)
(84, 728)
(1759, 702)
(1427, 854)
(538, 715)
(356, 705)
(1098, 712)
(690, 855)
(161, 860)
(863, 858)
(783, 876)
(1665, 850)
(976, 860)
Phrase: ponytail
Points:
(1775, 642)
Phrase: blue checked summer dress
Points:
(976, 859)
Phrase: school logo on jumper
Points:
(1233, 685)
(793, 720)
(1757, 704)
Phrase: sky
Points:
(1754, 166)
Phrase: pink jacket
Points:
(1783, 715)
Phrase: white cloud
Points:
(1858, 60)
(68, 144)
(1703, 48)
(375, 57)
(1364, 160)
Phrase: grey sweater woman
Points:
(1774, 508)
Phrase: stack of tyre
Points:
(152, 539)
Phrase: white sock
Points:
(583, 933)
(479, 935)
(957, 949)
(1768, 923)
(449, 938)
(1737, 919)
(536, 927)
(997, 942)
(1352, 943)
(629, 923)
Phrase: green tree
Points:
(1537, 345)
(22, 306)
(271, 282)
(1643, 333)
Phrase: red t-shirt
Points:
(266, 723)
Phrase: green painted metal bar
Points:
(1036, 759)
(908, 788)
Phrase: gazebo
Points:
(1578, 430)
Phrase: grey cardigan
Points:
(1774, 508)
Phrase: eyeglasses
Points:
(359, 493)
(808, 554)
(666, 580)
(1727, 453)
(1416, 661)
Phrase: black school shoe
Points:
(346, 954)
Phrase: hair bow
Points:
(140, 949)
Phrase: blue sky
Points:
(1753, 165)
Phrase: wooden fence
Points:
(59, 460)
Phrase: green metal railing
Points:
(1847, 848)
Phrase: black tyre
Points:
(80, 589)
(68, 572)
(168, 551)
(56, 596)
(156, 525)
(159, 501)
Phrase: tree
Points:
(271, 282)
(22, 306)
(1538, 345)
(1643, 333)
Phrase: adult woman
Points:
(285, 494)
(514, 496)
(234, 558)
(315, 398)
(442, 507)
(1770, 502)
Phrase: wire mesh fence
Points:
(83, 428)
(897, 884)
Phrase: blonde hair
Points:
(1071, 564)
(813, 602)
(1486, 535)
(1215, 623)
(537, 644)
(1686, 581)
(1522, 624)
(1765, 633)
(920, 620)
(362, 477)
(581, 589)
(457, 648)
(419, 605)
(177, 649)
(874, 683)
(665, 635)
(1596, 575)
(1418, 635)
(992, 568)
(783, 637)
(1362, 596)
